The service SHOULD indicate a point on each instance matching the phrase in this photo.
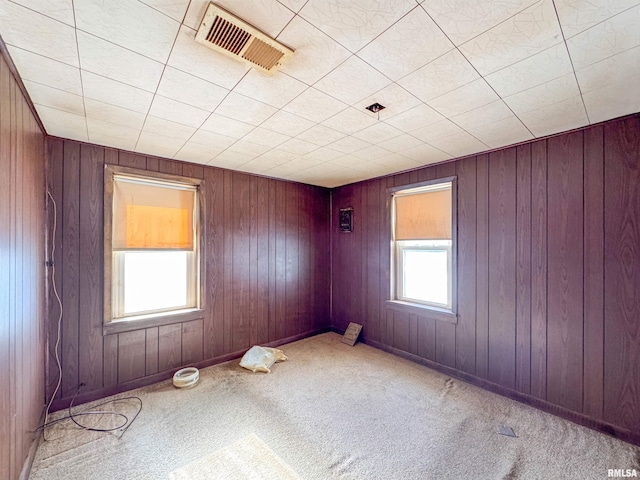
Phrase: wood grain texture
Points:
(565, 279)
(192, 342)
(593, 374)
(131, 355)
(151, 350)
(622, 274)
(482, 266)
(169, 347)
(523, 269)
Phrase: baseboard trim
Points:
(579, 418)
(62, 403)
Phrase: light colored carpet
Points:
(337, 412)
(247, 459)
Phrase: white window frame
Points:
(114, 319)
(438, 311)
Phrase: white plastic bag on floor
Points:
(261, 359)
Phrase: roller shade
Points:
(424, 216)
(149, 215)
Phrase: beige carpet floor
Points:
(336, 412)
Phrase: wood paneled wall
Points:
(267, 277)
(548, 273)
(22, 275)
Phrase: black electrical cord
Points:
(72, 416)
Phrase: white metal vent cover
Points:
(224, 32)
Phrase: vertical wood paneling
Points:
(169, 347)
(240, 217)
(523, 269)
(70, 268)
(151, 350)
(593, 374)
(91, 252)
(622, 274)
(273, 262)
(263, 277)
(280, 260)
(304, 264)
(372, 256)
(565, 278)
(192, 345)
(466, 328)
(482, 266)
(227, 273)
(110, 360)
(131, 355)
(133, 160)
(253, 262)
(539, 269)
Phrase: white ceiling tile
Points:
(417, 117)
(349, 161)
(273, 158)
(107, 59)
(446, 73)
(489, 113)
(64, 130)
(459, 144)
(268, 16)
(276, 90)
(166, 128)
(249, 148)
(178, 112)
(527, 33)
(294, 166)
(463, 99)
(440, 129)
(544, 95)
(61, 10)
(424, 154)
(350, 121)
(412, 42)
(245, 109)
(396, 163)
(352, 81)
(622, 71)
(561, 116)
(262, 136)
(324, 154)
(101, 129)
(502, 133)
(26, 29)
(463, 20)
(194, 58)
(608, 38)
(542, 67)
(394, 98)
(315, 55)
(348, 145)
(226, 126)
(286, 123)
(294, 5)
(314, 105)
(196, 152)
(231, 159)
(354, 23)
(297, 146)
(54, 98)
(578, 15)
(614, 100)
(155, 144)
(372, 153)
(48, 72)
(122, 143)
(175, 9)
(320, 135)
(399, 143)
(132, 25)
(60, 120)
(115, 93)
(110, 113)
(214, 140)
(191, 90)
(378, 133)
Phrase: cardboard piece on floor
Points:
(507, 431)
(351, 334)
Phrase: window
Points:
(423, 245)
(152, 243)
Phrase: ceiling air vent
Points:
(226, 33)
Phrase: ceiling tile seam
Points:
(156, 91)
(600, 22)
(479, 75)
(599, 61)
(75, 34)
(573, 69)
(386, 29)
(429, 62)
(162, 13)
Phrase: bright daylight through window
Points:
(154, 246)
(423, 245)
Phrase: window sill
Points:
(433, 313)
(151, 320)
